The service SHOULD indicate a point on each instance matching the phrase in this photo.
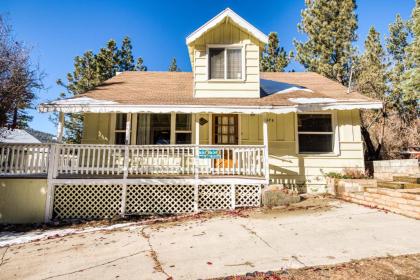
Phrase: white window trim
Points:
(242, 47)
(190, 131)
(114, 120)
(334, 133)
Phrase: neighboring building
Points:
(17, 136)
(220, 132)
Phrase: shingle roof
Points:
(176, 89)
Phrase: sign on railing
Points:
(210, 153)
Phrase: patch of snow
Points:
(273, 87)
(82, 101)
(16, 136)
(14, 238)
(312, 100)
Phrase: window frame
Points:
(334, 134)
(190, 131)
(119, 130)
(226, 47)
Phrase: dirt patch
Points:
(399, 267)
(308, 205)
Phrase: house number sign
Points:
(209, 153)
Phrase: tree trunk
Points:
(15, 117)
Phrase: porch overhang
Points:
(90, 105)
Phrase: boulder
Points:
(277, 195)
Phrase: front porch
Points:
(102, 181)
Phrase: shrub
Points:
(348, 173)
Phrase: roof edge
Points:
(257, 109)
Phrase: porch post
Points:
(265, 141)
(196, 162)
(60, 127)
(126, 165)
(127, 129)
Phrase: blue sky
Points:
(57, 31)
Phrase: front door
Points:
(225, 129)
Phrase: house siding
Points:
(286, 165)
(97, 128)
(226, 34)
(290, 168)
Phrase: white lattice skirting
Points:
(94, 201)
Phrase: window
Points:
(153, 129)
(225, 129)
(225, 63)
(183, 129)
(120, 123)
(315, 133)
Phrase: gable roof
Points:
(173, 91)
(219, 18)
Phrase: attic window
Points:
(225, 64)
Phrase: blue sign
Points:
(209, 153)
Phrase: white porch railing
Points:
(132, 160)
(24, 159)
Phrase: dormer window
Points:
(225, 63)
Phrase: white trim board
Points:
(203, 109)
(219, 18)
(163, 181)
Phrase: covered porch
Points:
(144, 172)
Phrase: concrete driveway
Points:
(332, 232)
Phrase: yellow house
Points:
(206, 139)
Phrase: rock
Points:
(276, 195)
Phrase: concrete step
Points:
(397, 185)
(408, 179)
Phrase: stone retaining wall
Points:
(404, 202)
(385, 169)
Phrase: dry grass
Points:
(399, 267)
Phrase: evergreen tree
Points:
(330, 26)
(372, 77)
(107, 60)
(372, 81)
(173, 67)
(396, 44)
(85, 76)
(90, 70)
(125, 56)
(274, 58)
(139, 65)
(411, 83)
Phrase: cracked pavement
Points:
(219, 246)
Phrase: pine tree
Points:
(125, 56)
(372, 82)
(411, 83)
(85, 76)
(107, 60)
(173, 67)
(330, 26)
(372, 77)
(139, 65)
(90, 70)
(274, 58)
(396, 44)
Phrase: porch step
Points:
(414, 179)
(397, 185)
